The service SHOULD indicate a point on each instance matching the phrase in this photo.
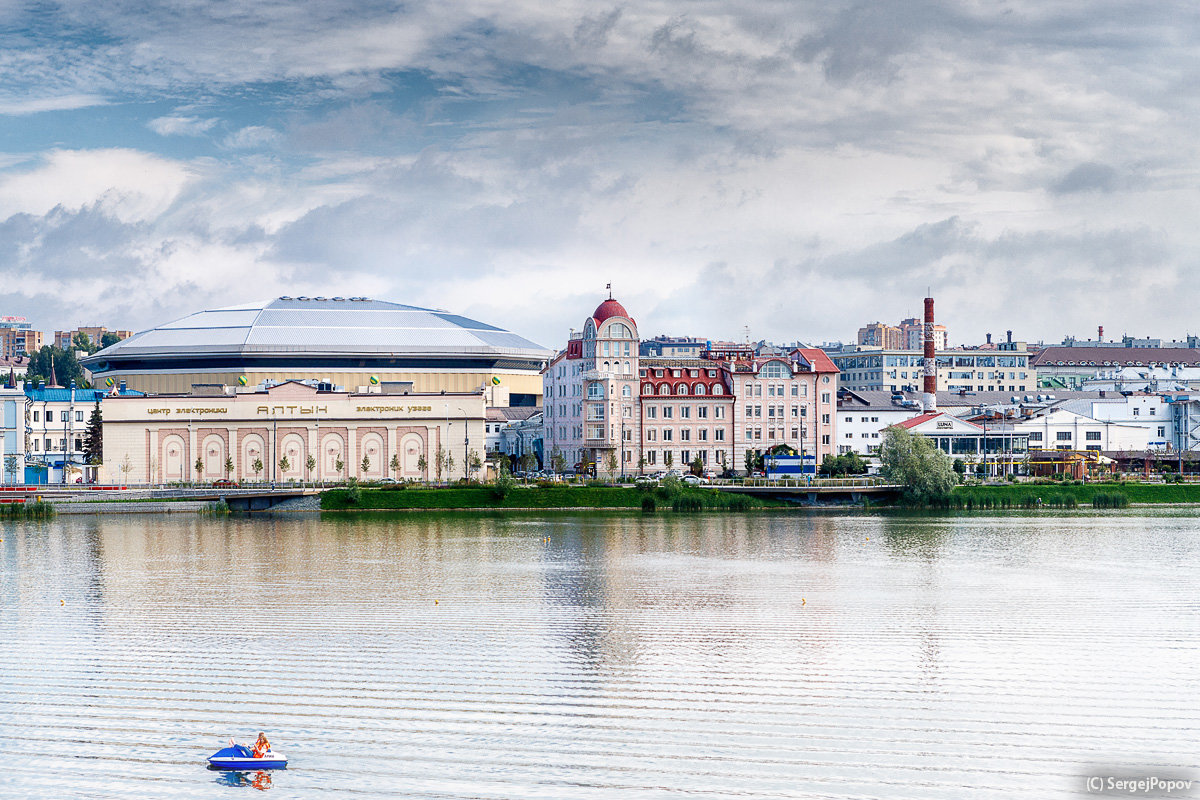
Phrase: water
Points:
(600, 656)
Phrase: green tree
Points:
(474, 463)
(10, 467)
(257, 466)
(66, 366)
(199, 468)
(913, 461)
(423, 467)
(610, 463)
(668, 459)
(394, 464)
(284, 465)
(439, 462)
(93, 437)
(449, 464)
(338, 466)
(504, 482)
(527, 462)
(558, 462)
(310, 464)
(641, 464)
(81, 341)
(750, 460)
(228, 466)
(108, 339)
(697, 467)
(366, 464)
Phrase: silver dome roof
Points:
(298, 326)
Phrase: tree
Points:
(338, 466)
(93, 437)
(697, 467)
(66, 366)
(504, 482)
(257, 466)
(913, 461)
(310, 464)
(81, 341)
(749, 462)
(394, 464)
(449, 464)
(284, 465)
(527, 462)
(126, 468)
(423, 467)
(610, 463)
(558, 462)
(10, 467)
(439, 462)
(641, 464)
(846, 464)
(668, 459)
(199, 468)
(366, 465)
(108, 339)
(474, 462)
(228, 466)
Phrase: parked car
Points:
(695, 480)
(708, 473)
(387, 480)
(225, 483)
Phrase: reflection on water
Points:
(259, 779)
(599, 656)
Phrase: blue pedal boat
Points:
(241, 758)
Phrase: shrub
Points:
(687, 502)
(740, 502)
(1110, 500)
(38, 509)
(218, 509)
(648, 504)
(353, 493)
(669, 488)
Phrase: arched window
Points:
(619, 330)
(647, 388)
(606, 368)
(625, 391)
(718, 389)
(698, 389)
(681, 388)
(628, 370)
(774, 369)
(664, 389)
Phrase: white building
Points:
(12, 435)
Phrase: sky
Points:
(792, 169)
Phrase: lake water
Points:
(797, 655)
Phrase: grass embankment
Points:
(38, 509)
(548, 497)
(1084, 494)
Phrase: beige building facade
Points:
(159, 438)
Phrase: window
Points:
(824, 397)
(668, 412)
(718, 389)
(749, 434)
(825, 419)
(79, 415)
(651, 435)
(595, 431)
(664, 389)
(36, 415)
(647, 388)
(1162, 430)
(650, 456)
(1063, 436)
(703, 434)
(685, 412)
(1035, 436)
(685, 434)
(595, 391)
(666, 435)
(702, 412)
(795, 390)
(719, 434)
(719, 412)
(1094, 436)
(625, 392)
(651, 412)
(685, 457)
(699, 389)
(758, 411)
(775, 369)
(825, 439)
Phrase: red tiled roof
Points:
(818, 358)
(915, 421)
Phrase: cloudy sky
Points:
(796, 167)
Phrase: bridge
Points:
(238, 498)
(814, 490)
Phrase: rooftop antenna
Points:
(746, 328)
(608, 286)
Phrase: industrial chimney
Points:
(929, 396)
(1101, 333)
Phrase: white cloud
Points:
(125, 184)
(251, 136)
(17, 107)
(181, 125)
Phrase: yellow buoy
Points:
(62, 602)
(435, 602)
(803, 602)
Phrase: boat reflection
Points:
(260, 779)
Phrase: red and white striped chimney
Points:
(929, 396)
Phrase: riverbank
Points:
(536, 498)
(1083, 494)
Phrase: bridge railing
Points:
(833, 483)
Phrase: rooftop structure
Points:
(352, 341)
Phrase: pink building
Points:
(605, 406)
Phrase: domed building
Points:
(353, 342)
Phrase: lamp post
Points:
(466, 445)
